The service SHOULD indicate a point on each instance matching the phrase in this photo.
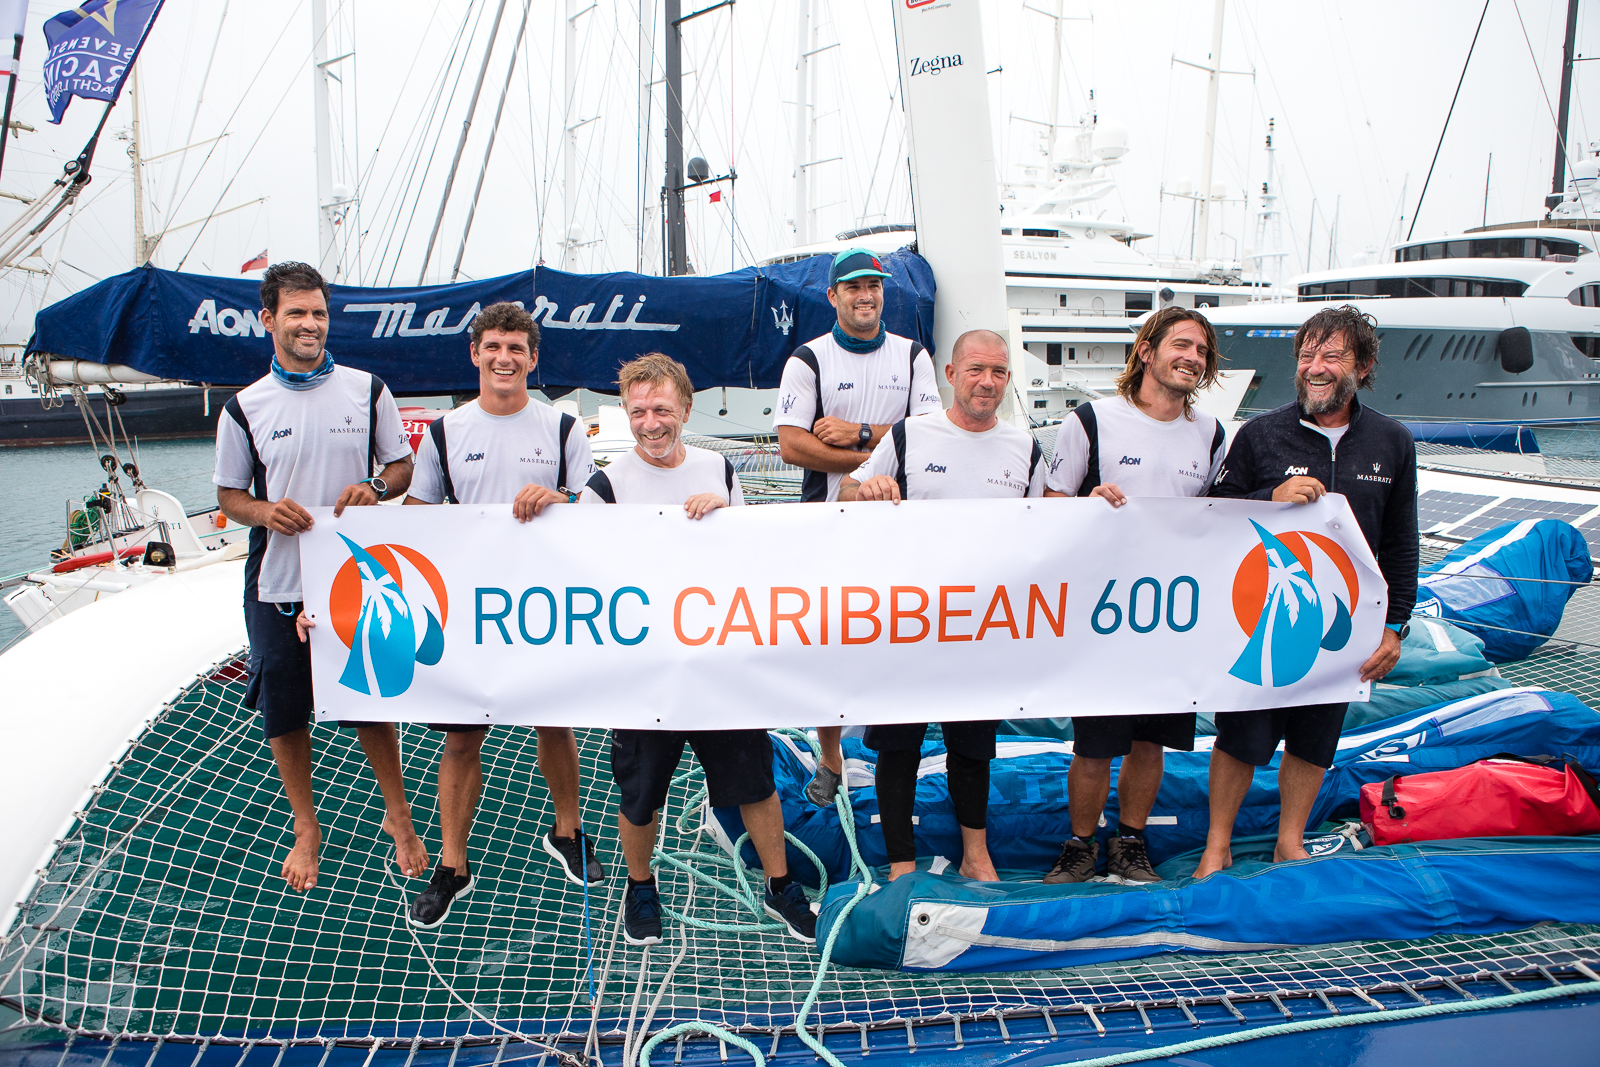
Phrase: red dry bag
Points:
(1503, 796)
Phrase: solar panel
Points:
(1437, 508)
(1515, 510)
(1590, 528)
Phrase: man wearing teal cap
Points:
(840, 394)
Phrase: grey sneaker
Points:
(822, 788)
(1127, 860)
(1075, 864)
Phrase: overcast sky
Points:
(1359, 91)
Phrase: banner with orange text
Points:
(836, 614)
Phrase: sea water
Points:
(37, 485)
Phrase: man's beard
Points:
(1345, 389)
(661, 448)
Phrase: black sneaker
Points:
(433, 903)
(791, 908)
(641, 915)
(1075, 864)
(565, 851)
(822, 787)
(1127, 861)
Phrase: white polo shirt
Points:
(934, 459)
(1112, 440)
(628, 479)
(306, 445)
(878, 387)
(490, 458)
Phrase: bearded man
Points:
(1326, 442)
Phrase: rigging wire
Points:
(1412, 228)
(1561, 142)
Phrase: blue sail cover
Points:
(733, 330)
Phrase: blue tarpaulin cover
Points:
(1028, 818)
(733, 330)
(927, 922)
(1469, 587)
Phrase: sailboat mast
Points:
(802, 128)
(1055, 100)
(1559, 182)
(677, 237)
(1209, 145)
(569, 150)
(327, 253)
(141, 244)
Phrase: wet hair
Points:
(291, 277)
(973, 337)
(655, 369)
(1152, 333)
(1360, 332)
(506, 318)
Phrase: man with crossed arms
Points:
(961, 454)
(839, 395)
(1175, 451)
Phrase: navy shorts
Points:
(280, 669)
(1110, 736)
(279, 684)
(974, 740)
(1309, 732)
(738, 766)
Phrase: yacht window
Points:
(1137, 301)
(1063, 299)
(1416, 287)
(1589, 346)
(1052, 355)
(1585, 296)
(1490, 248)
(1041, 233)
(1205, 301)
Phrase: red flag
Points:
(716, 196)
(259, 263)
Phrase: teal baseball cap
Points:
(855, 263)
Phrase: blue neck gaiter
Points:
(856, 344)
(297, 381)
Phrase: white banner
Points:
(821, 614)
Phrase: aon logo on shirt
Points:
(1296, 470)
(473, 457)
(1128, 461)
(934, 468)
(846, 385)
(281, 433)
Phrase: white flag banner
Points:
(836, 614)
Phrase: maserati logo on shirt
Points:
(1376, 467)
(787, 403)
(348, 419)
(538, 451)
(896, 378)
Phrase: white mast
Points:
(802, 128)
(1055, 100)
(1209, 145)
(649, 195)
(1269, 220)
(327, 253)
(569, 151)
(141, 245)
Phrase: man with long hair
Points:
(1148, 440)
(1325, 442)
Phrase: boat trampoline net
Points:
(161, 914)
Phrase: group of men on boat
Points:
(859, 410)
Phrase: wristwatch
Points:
(866, 432)
(379, 486)
(1401, 628)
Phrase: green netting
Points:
(161, 913)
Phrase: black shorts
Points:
(1309, 732)
(974, 740)
(279, 686)
(1110, 736)
(457, 727)
(738, 766)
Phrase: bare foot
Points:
(300, 865)
(1214, 860)
(1283, 853)
(897, 869)
(979, 870)
(410, 854)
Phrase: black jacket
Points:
(1375, 469)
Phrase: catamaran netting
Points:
(161, 914)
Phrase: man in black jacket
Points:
(1325, 443)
